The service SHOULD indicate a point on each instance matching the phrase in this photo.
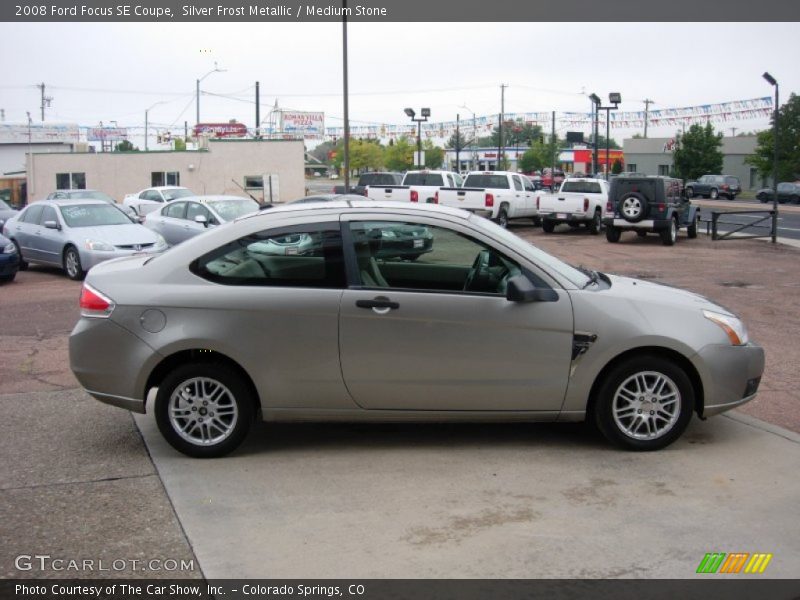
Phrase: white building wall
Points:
(211, 171)
(13, 156)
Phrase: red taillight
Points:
(94, 303)
(414, 196)
(661, 207)
(585, 205)
(489, 200)
(609, 207)
(436, 198)
(724, 186)
(365, 192)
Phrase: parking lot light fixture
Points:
(774, 83)
(424, 114)
(595, 122)
(146, 111)
(216, 69)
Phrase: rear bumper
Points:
(730, 375)
(647, 224)
(561, 217)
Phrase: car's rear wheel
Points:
(204, 410)
(670, 234)
(23, 264)
(72, 264)
(644, 403)
(613, 234)
(548, 226)
(502, 217)
(691, 230)
(596, 223)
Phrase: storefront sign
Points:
(221, 130)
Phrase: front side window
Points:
(197, 210)
(301, 256)
(32, 214)
(175, 210)
(517, 183)
(48, 214)
(414, 256)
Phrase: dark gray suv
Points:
(649, 205)
(714, 186)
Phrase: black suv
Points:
(714, 186)
(649, 205)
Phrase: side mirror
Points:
(520, 289)
(202, 220)
(52, 225)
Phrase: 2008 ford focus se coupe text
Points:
(482, 326)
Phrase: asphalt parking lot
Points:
(80, 479)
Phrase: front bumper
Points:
(9, 264)
(91, 258)
(730, 375)
(647, 224)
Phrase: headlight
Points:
(10, 248)
(98, 246)
(732, 326)
(160, 241)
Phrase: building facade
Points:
(266, 169)
(653, 156)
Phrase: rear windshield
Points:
(582, 187)
(499, 182)
(423, 179)
(91, 195)
(174, 194)
(93, 215)
(378, 179)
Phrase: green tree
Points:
(126, 146)
(400, 156)
(179, 144)
(459, 139)
(540, 155)
(530, 161)
(365, 155)
(434, 155)
(788, 144)
(616, 167)
(698, 151)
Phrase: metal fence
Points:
(757, 224)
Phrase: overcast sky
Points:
(114, 71)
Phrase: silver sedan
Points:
(77, 235)
(485, 326)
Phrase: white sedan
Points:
(150, 199)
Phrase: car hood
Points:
(117, 235)
(652, 293)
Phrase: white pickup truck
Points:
(497, 195)
(578, 201)
(417, 186)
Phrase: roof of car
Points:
(211, 198)
(343, 206)
(69, 201)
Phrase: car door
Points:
(50, 242)
(518, 200)
(171, 221)
(24, 231)
(411, 337)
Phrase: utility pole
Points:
(258, 112)
(458, 143)
(733, 131)
(45, 99)
(553, 145)
(346, 101)
(647, 103)
(503, 87)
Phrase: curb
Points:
(744, 419)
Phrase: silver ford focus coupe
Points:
(482, 326)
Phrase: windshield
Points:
(91, 195)
(228, 210)
(434, 179)
(581, 187)
(499, 182)
(174, 194)
(93, 215)
(547, 261)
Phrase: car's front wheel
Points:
(23, 264)
(72, 264)
(714, 194)
(502, 218)
(596, 223)
(644, 403)
(204, 410)
(548, 226)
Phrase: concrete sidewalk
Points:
(485, 501)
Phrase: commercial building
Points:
(266, 169)
(653, 156)
(570, 160)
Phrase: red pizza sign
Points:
(221, 129)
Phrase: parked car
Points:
(77, 234)
(497, 195)
(484, 327)
(577, 202)
(6, 212)
(417, 186)
(152, 198)
(649, 205)
(369, 179)
(714, 186)
(9, 260)
(190, 216)
(787, 192)
(92, 195)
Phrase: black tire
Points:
(691, 230)
(23, 264)
(72, 264)
(613, 234)
(502, 217)
(596, 224)
(670, 234)
(8, 278)
(689, 193)
(236, 400)
(633, 207)
(641, 233)
(762, 198)
(623, 428)
(548, 226)
(537, 222)
(713, 194)
(794, 199)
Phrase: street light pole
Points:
(146, 111)
(595, 117)
(197, 89)
(773, 82)
(424, 114)
(614, 98)
(474, 161)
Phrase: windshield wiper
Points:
(593, 276)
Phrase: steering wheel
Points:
(479, 270)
